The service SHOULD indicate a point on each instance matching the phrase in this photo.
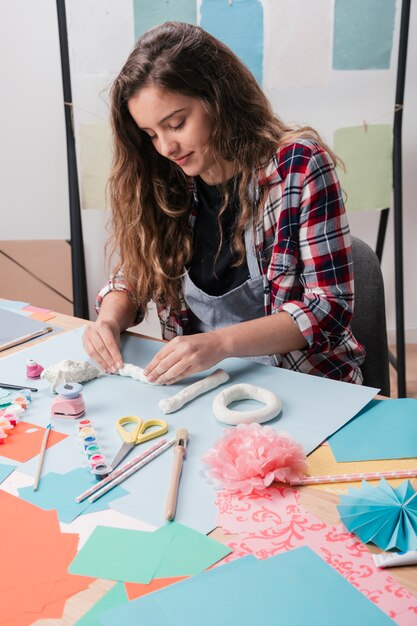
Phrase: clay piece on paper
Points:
(136, 372)
(68, 371)
(169, 405)
(245, 391)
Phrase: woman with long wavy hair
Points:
(232, 222)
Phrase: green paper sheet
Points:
(384, 429)
(367, 155)
(121, 554)
(189, 552)
(115, 597)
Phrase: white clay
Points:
(169, 405)
(134, 371)
(244, 391)
(68, 371)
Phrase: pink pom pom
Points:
(250, 457)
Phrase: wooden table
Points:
(320, 501)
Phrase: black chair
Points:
(368, 322)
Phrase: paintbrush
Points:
(179, 453)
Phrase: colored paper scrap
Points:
(137, 590)
(34, 581)
(238, 24)
(58, 491)
(382, 515)
(301, 60)
(5, 470)
(95, 158)
(36, 309)
(363, 34)
(189, 552)
(327, 598)
(275, 522)
(366, 152)
(42, 317)
(13, 305)
(149, 14)
(114, 597)
(25, 440)
(121, 554)
(383, 429)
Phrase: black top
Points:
(215, 276)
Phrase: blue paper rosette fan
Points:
(382, 515)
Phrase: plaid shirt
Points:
(304, 250)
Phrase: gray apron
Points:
(243, 303)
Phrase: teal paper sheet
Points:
(313, 408)
(138, 556)
(116, 596)
(296, 588)
(58, 491)
(384, 429)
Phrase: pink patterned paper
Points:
(275, 521)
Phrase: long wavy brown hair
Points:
(150, 195)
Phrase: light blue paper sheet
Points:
(238, 24)
(313, 408)
(150, 13)
(363, 34)
(296, 588)
(58, 491)
(384, 429)
(6, 470)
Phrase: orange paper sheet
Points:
(25, 440)
(34, 581)
(136, 590)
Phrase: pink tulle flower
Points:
(250, 457)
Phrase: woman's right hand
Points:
(102, 343)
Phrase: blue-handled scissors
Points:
(142, 431)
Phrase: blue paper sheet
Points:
(384, 429)
(58, 491)
(313, 408)
(14, 326)
(296, 588)
(5, 470)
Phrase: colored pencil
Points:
(131, 471)
(350, 478)
(118, 472)
(9, 386)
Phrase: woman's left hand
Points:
(184, 356)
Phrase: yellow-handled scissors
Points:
(141, 432)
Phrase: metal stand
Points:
(398, 361)
(79, 282)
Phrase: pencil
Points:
(24, 338)
(179, 453)
(351, 478)
(131, 471)
(41, 457)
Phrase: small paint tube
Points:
(5, 425)
(3, 437)
(88, 441)
(97, 459)
(92, 450)
(100, 471)
(87, 431)
(84, 424)
(395, 559)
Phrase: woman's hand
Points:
(184, 356)
(102, 343)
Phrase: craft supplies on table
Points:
(70, 402)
